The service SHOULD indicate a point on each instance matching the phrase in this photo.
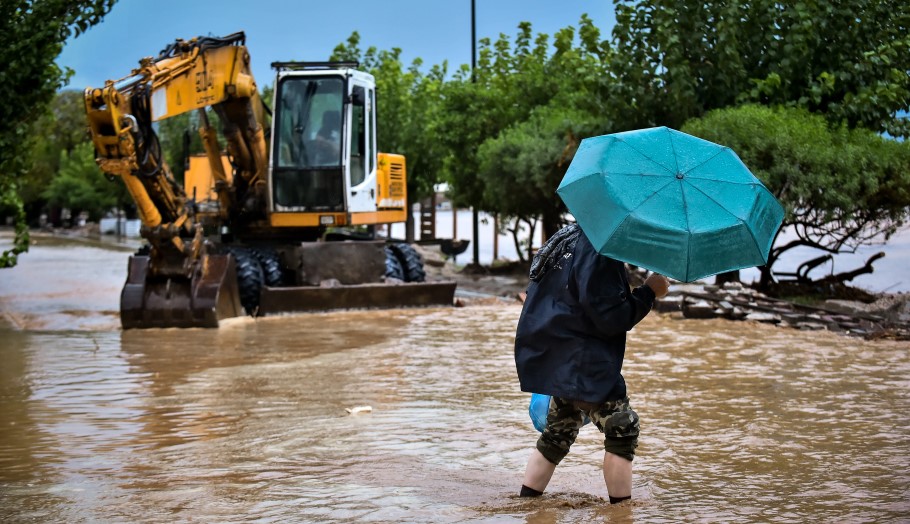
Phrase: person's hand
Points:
(658, 284)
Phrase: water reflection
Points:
(741, 422)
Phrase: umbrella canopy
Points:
(670, 202)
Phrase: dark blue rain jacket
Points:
(571, 336)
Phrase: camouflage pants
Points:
(614, 418)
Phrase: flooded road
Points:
(740, 422)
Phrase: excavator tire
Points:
(393, 267)
(271, 266)
(411, 262)
(249, 279)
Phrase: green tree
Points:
(477, 105)
(268, 95)
(79, 186)
(522, 166)
(840, 187)
(32, 34)
(59, 130)
(528, 100)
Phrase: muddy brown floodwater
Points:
(741, 422)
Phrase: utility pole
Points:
(476, 214)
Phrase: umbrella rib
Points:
(712, 199)
(705, 161)
(594, 173)
(688, 230)
(750, 183)
(633, 174)
(658, 190)
(673, 147)
(633, 148)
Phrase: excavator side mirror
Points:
(357, 98)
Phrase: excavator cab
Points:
(325, 167)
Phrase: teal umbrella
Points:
(670, 202)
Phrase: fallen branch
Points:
(850, 275)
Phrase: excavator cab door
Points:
(361, 168)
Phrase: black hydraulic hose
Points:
(148, 147)
(203, 43)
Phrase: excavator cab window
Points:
(307, 174)
(358, 136)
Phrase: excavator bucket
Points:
(201, 301)
(360, 296)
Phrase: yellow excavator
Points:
(284, 218)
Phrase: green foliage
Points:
(179, 137)
(175, 134)
(12, 204)
(268, 95)
(64, 143)
(60, 129)
(80, 186)
(840, 187)
(32, 34)
(505, 87)
(505, 131)
(680, 58)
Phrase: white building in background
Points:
(120, 226)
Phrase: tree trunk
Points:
(729, 276)
(551, 223)
(765, 281)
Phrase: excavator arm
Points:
(190, 75)
(187, 75)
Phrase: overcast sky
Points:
(434, 30)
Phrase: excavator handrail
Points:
(203, 43)
(303, 66)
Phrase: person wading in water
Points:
(569, 344)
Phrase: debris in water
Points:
(356, 410)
